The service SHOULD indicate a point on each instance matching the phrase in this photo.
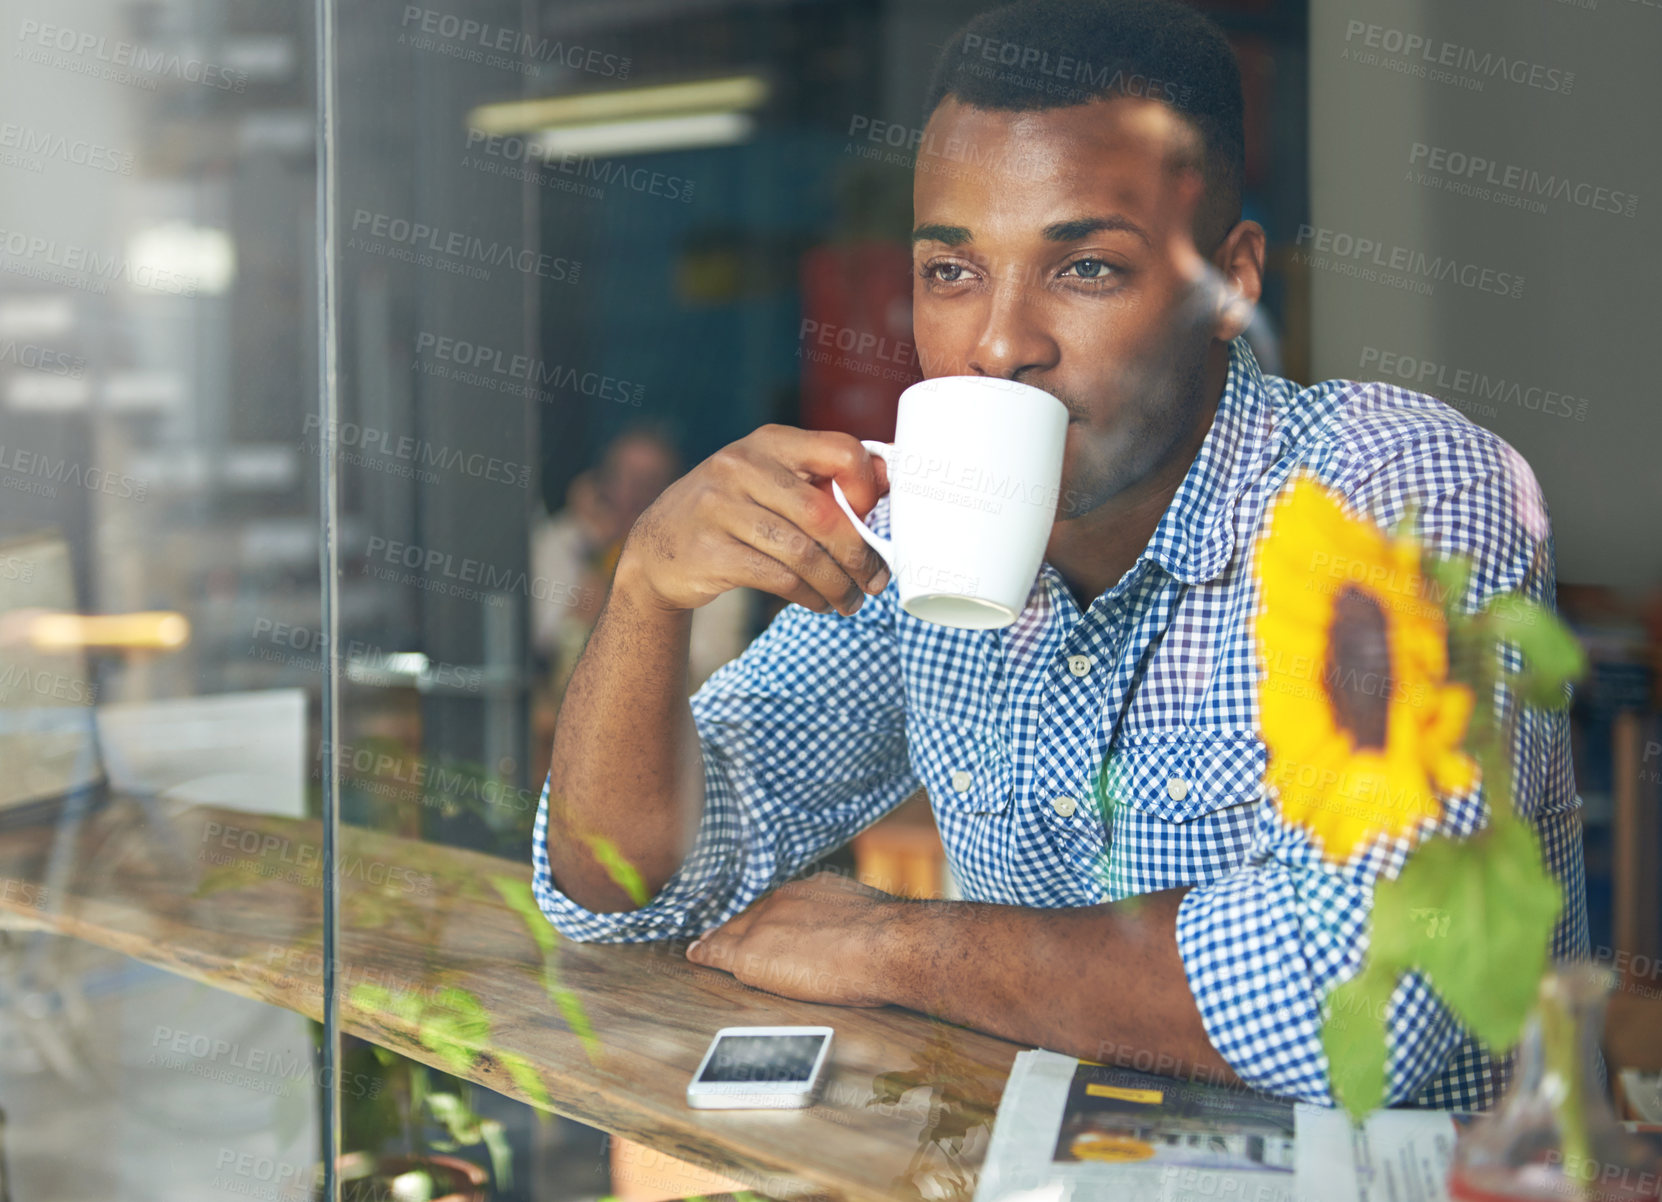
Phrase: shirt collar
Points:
(1195, 539)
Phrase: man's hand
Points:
(759, 514)
(818, 940)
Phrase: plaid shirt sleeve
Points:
(804, 745)
(1264, 946)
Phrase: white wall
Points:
(1588, 320)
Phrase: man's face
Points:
(637, 471)
(1056, 248)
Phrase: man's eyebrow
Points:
(1084, 227)
(1058, 231)
(952, 235)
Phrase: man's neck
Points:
(1093, 552)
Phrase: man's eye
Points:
(1090, 269)
(933, 271)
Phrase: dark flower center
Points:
(1358, 670)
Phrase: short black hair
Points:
(1046, 54)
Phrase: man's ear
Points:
(1240, 260)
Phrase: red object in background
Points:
(855, 340)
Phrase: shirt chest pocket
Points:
(1185, 775)
(965, 766)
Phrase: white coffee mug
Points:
(975, 475)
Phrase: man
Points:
(1077, 228)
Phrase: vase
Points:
(1553, 1137)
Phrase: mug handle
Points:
(883, 546)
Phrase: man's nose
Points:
(1014, 337)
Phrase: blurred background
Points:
(583, 244)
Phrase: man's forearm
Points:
(626, 763)
(1102, 982)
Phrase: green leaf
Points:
(526, 1077)
(462, 1002)
(622, 872)
(571, 1009)
(1475, 916)
(457, 1057)
(502, 1156)
(1353, 1036)
(1449, 578)
(459, 1122)
(1551, 653)
(377, 999)
(522, 901)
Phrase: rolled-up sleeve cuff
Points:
(680, 909)
(1241, 946)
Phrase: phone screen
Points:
(763, 1058)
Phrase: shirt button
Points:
(1065, 806)
(1177, 788)
(961, 781)
(1080, 665)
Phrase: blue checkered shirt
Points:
(826, 723)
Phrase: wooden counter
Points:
(234, 900)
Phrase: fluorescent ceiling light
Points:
(38, 316)
(41, 393)
(50, 630)
(175, 256)
(641, 137)
(732, 94)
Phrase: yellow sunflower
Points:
(1364, 731)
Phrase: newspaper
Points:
(1074, 1131)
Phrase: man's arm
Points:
(623, 731)
(626, 764)
(1101, 982)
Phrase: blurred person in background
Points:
(579, 547)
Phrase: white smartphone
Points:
(760, 1068)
